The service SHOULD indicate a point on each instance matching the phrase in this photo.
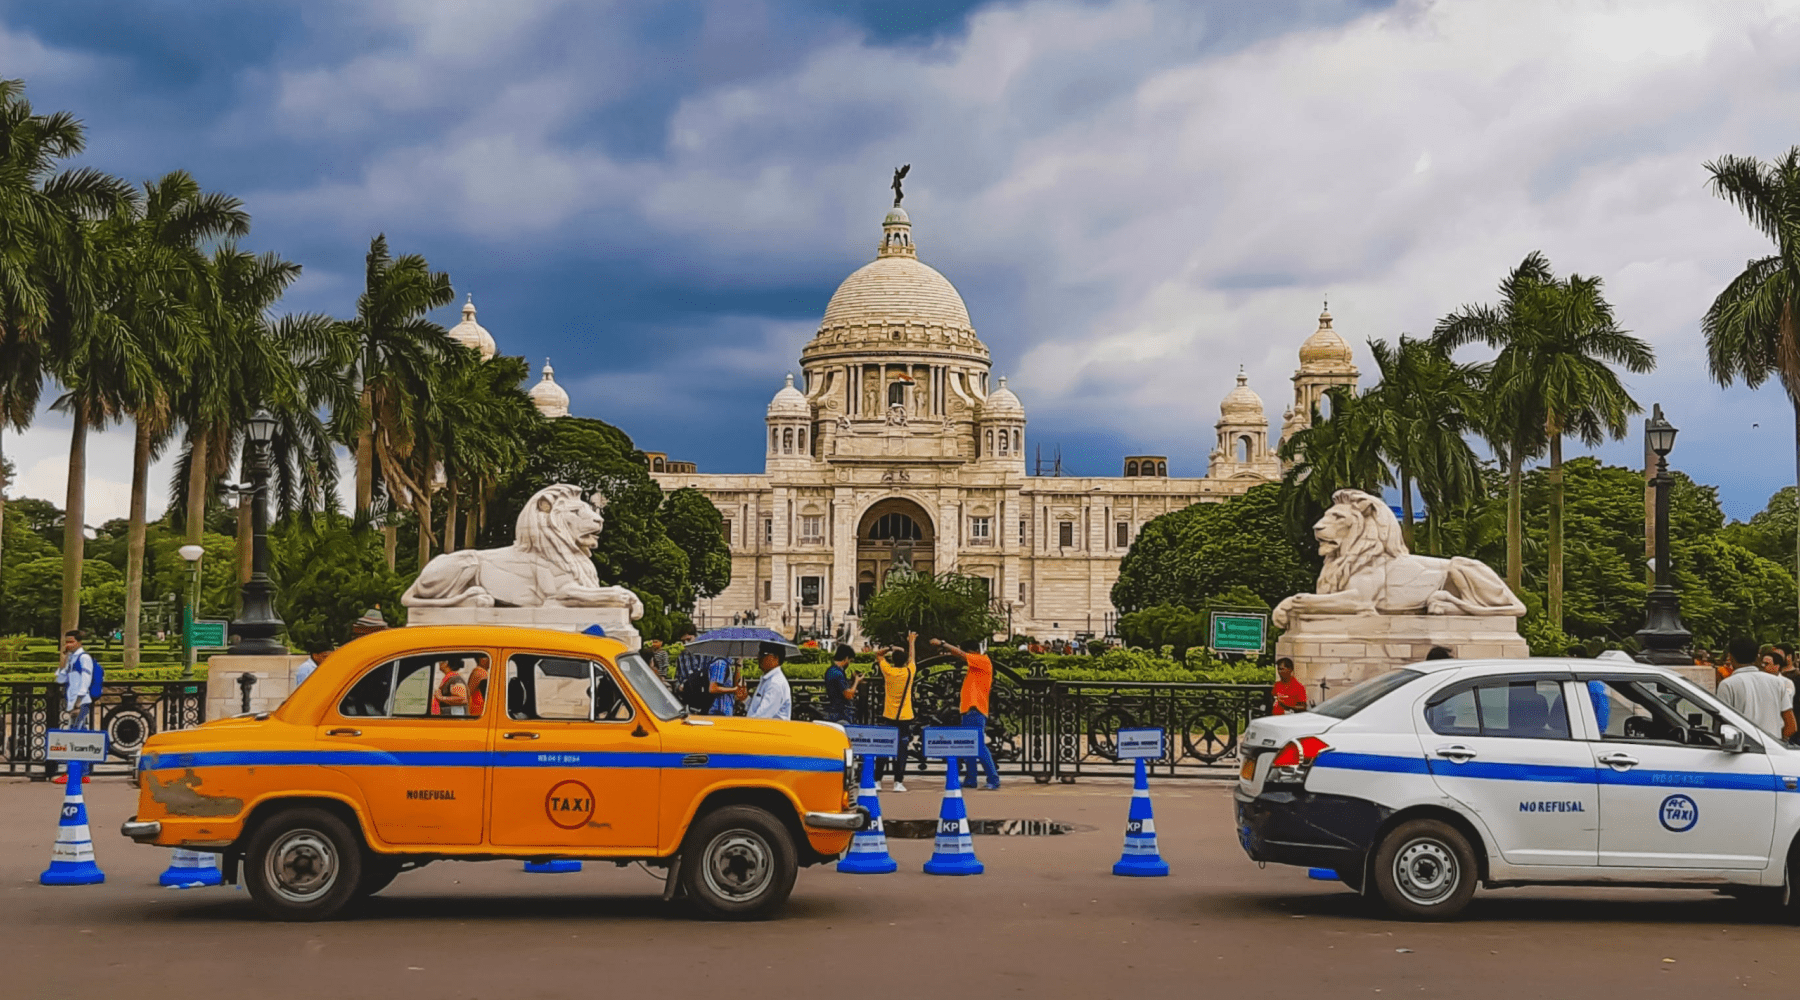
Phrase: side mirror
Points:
(1731, 738)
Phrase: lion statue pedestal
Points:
(1378, 606)
(545, 579)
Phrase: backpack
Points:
(695, 691)
(99, 679)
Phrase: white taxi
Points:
(1418, 785)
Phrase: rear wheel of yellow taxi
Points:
(303, 864)
(738, 863)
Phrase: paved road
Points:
(1048, 920)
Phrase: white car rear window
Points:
(1367, 693)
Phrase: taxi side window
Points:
(1644, 709)
(561, 688)
(1522, 709)
(422, 686)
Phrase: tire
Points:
(1425, 870)
(738, 863)
(303, 864)
(378, 871)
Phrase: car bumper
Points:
(144, 832)
(856, 819)
(1311, 830)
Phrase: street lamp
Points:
(192, 554)
(1664, 638)
(257, 625)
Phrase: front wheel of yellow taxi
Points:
(738, 863)
(303, 863)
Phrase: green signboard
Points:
(1238, 632)
(208, 634)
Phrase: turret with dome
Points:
(549, 398)
(473, 335)
(1325, 361)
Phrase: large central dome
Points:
(896, 303)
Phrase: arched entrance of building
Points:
(893, 532)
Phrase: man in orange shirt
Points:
(1290, 694)
(977, 684)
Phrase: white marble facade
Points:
(894, 446)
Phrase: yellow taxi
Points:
(475, 742)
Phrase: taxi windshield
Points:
(649, 687)
(1365, 694)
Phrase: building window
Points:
(981, 530)
(725, 529)
(1124, 533)
(810, 586)
(774, 440)
(896, 527)
(896, 392)
(1131, 468)
(768, 590)
(1018, 441)
(1022, 525)
(1162, 468)
(990, 442)
(801, 447)
(1021, 591)
(787, 441)
(812, 528)
(1065, 533)
(768, 531)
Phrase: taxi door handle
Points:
(1618, 760)
(343, 732)
(1456, 753)
(519, 736)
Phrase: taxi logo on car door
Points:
(1679, 814)
(570, 805)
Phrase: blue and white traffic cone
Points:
(1323, 874)
(558, 866)
(1141, 858)
(191, 869)
(868, 853)
(72, 859)
(954, 853)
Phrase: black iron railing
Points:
(129, 713)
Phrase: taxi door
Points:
(1502, 747)
(1669, 797)
(419, 759)
(576, 764)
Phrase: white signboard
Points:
(874, 741)
(1145, 743)
(952, 741)
(75, 744)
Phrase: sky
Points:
(1133, 197)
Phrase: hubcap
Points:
(738, 864)
(301, 866)
(1426, 871)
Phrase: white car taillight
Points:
(1292, 762)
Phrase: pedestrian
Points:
(452, 695)
(723, 684)
(978, 683)
(81, 679)
(658, 657)
(897, 677)
(688, 664)
(1290, 694)
(840, 688)
(1440, 653)
(774, 698)
(315, 655)
(1702, 658)
(1763, 698)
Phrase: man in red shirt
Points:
(977, 684)
(1290, 694)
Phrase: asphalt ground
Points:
(1048, 919)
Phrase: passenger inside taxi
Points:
(563, 689)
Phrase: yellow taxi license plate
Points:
(1248, 771)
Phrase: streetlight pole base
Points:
(1664, 639)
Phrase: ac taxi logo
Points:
(1678, 814)
(569, 805)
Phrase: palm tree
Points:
(1339, 452)
(399, 355)
(485, 420)
(1751, 328)
(1419, 411)
(1557, 352)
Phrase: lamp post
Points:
(257, 625)
(1664, 638)
(191, 610)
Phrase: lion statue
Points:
(1368, 571)
(548, 564)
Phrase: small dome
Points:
(896, 216)
(789, 402)
(1002, 403)
(1243, 400)
(548, 397)
(1325, 347)
(471, 334)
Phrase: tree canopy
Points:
(1189, 556)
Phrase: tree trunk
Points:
(134, 544)
(74, 516)
(1554, 600)
(449, 517)
(198, 482)
(1796, 402)
(365, 461)
(1515, 523)
(390, 543)
(423, 506)
(1406, 510)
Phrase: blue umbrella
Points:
(738, 641)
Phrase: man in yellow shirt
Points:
(897, 679)
(977, 684)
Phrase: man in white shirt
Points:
(76, 675)
(315, 655)
(1765, 699)
(774, 698)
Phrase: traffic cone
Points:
(954, 853)
(72, 859)
(1141, 859)
(559, 866)
(190, 869)
(1323, 874)
(868, 853)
